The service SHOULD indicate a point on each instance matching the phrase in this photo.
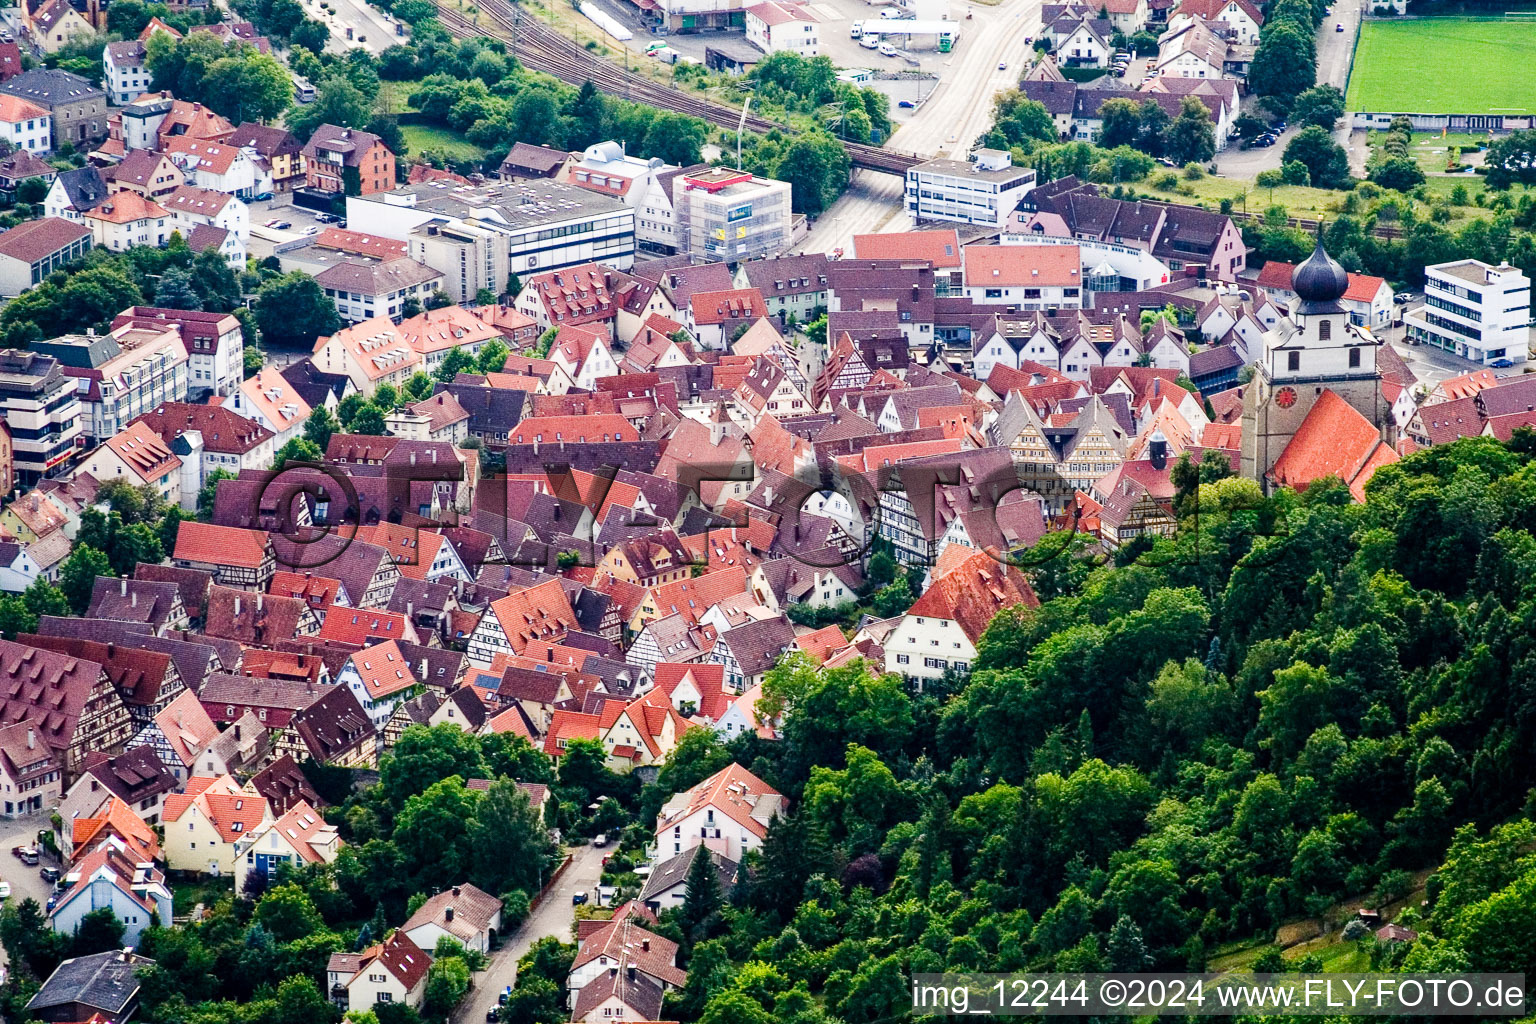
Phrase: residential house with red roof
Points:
(394, 971)
(138, 455)
(728, 813)
(268, 399)
(623, 948)
(243, 559)
(31, 773)
(713, 318)
(347, 160)
(115, 821)
(70, 702)
(369, 353)
(1241, 19)
(205, 821)
(464, 913)
(540, 612)
(582, 352)
(380, 677)
(939, 633)
(114, 877)
(217, 166)
(1368, 300)
(298, 838)
(580, 296)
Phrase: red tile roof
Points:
(722, 307)
(1277, 274)
(220, 545)
(939, 247)
(1334, 440)
(973, 592)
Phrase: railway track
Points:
(542, 48)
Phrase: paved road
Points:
(371, 27)
(947, 123)
(554, 916)
(1335, 53)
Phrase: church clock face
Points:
(1285, 397)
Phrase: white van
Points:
(890, 13)
(870, 40)
(856, 30)
(887, 50)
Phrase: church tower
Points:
(1314, 349)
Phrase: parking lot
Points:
(280, 208)
(25, 882)
(836, 17)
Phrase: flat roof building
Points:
(982, 190)
(546, 225)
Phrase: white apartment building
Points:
(774, 25)
(544, 225)
(25, 125)
(191, 207)
(726, 215)
(122, 375)
(983, 190)
(1475, 311)
(606, 169)
(124, 74)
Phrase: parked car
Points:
(5, 890)
(1497, 364)
(28, 855)
(50, 874)
(578, 899)
(890, 14)
(887, 50)
(313, 229)
(1002, 65)
(1403, 298)
(600, 840)
(1338, 26)
(326, 218)
(1264, 141)
(261, 197)
(491, 1015)
(283, 225)
(906, 103)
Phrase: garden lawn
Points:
(450, 143)
(1444, 66)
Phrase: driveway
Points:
(553, 916)
(24, 881)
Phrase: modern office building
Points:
(726, 215)
(982, 190)
(545, 225)
(41, 410)
(1475, 311)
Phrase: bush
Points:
(1193, 171)
(1165, 182)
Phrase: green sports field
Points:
(1445, 66)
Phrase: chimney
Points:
(124, 587)
(111, 651)
(645, 945)
(237, 732)
(447, 913)
(455, 896)
(237, 606)
(632, 973)
(31, 738)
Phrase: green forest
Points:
(1296, 702)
